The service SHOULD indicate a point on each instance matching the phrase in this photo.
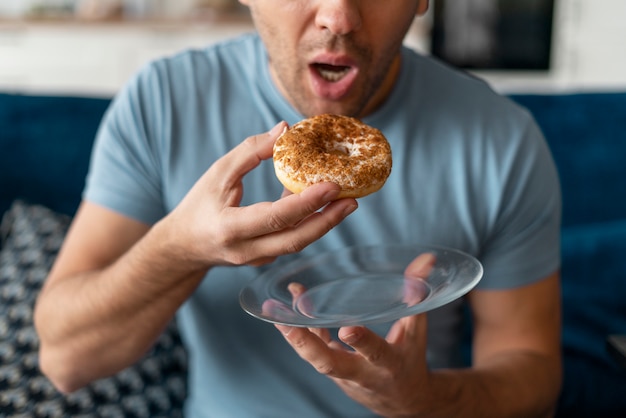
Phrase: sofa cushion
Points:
(594, 292)
(586, 133)
(45, 144)
(155, 386)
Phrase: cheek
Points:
(274, 34)
(282, 19)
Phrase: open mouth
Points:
(331, 73)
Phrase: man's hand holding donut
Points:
(211, 228)
(139, 275)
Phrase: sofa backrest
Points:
(586, 132)
(45, 143)
(587, 135)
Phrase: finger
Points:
(246, 156)
(421, 266)
(276, 310)
(261, 261)
(313, 349)
(409, 333)
(269, 217)
(369, 345)
(286, 193)
(251, 247)
(291, 209)
(296, 238)
(296, 289)
(415, 290)
(415, 274)
(323, 334)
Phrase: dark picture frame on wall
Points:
(493, 34)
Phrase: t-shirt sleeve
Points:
(524, 244)
(125, 170)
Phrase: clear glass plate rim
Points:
(434, 300)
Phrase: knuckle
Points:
(224, 237)
(276, 222)
(327, 221)
(294, 246)
(298, 343)
(375, 356)
(228, 244)
(329, 225)
(236, 258)
(326, 368)
(249, 142)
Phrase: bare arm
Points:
(117, 282)
(107, 298)
(516, 370)
(516, 362)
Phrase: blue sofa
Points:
(44, 152)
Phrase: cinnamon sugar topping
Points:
(333, 148)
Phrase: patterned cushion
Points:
(154, 387)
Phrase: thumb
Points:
(247, 155)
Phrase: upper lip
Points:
(339, 60)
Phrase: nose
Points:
(339, 17)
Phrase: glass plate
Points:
(360, 285)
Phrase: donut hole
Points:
(340, 150)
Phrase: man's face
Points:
(334, 56)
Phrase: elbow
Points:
(554, 383)
(58, 366)
(59, 373)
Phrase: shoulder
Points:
(170, 85)
(445, 92)
(233, 51)
(197, 66)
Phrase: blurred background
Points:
(91, 47)
(78, 53)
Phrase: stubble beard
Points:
(295, 80)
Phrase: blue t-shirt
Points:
(471, 170)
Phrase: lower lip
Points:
(329, 90)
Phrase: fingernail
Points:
(349, 209)
(331, 195)
(278, 129)
(351, 338)
(284, 329)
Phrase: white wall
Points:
(13, 8)
(20, 8)
(589, 50)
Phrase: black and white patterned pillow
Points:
(154, 387)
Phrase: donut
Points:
(333, 148)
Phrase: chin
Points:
(332, 108)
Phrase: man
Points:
(179, 214)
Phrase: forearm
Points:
(95, 323)
(511, 385)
